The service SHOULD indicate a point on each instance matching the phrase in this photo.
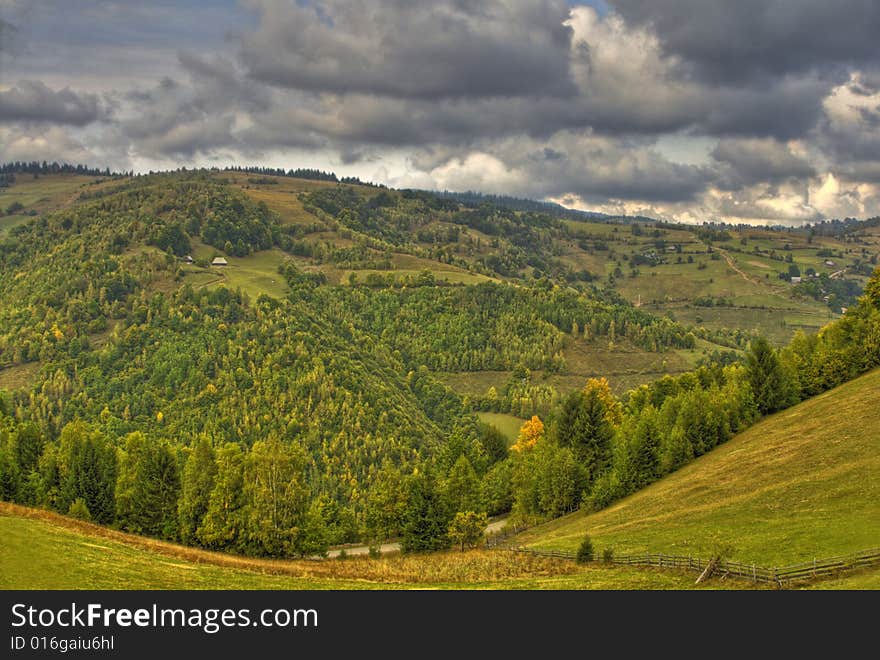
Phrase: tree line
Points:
(595, 449)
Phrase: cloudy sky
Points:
(764, 111)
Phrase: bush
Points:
(342, 554)
(375, 552)
(79, 510)
(608, 555)
(585, 551)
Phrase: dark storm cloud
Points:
(622, 176)
(180, 119)
(599, 168)
(743, 163)
(785, 110)
(454, 48)
(736, 41)
(171, 121)
(218, 84)
(33, 101)
(854, 141)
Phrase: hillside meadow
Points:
(801, 484)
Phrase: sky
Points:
(758, 111)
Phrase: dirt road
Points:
(355, 551)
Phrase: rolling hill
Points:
(801, 484)
(352, 342)
(39, 550)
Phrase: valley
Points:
(367, 364)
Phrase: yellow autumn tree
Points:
(600, 386)
(529, 434)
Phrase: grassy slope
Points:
(507, 424)
(44, 194)
(40, 550)
(798, 485)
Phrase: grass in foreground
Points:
(802, 484)
(41, 550)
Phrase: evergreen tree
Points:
(28, 444)
(426, 518)
(567, 426)
(585, 550)
(87, 471)
(386, 503)
(496, 488)
(147, 488)
(771, 386)
(10, 481)
(593, 430)
(560, 479)
(494, 443)
(462, 487)
(223, 524)
(586, 424)
(196, 487)
(636, 457)
(79, 510)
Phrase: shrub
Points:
(608, 555)
(79, 510)
(585, 551)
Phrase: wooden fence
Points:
(497, 539)
(818, 568)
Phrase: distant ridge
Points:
(474, 198)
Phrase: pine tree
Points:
(147, 488)
(772, 387)
(646, 447)
(592, 444)
(87, 471)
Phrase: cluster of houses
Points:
(218, 261)
(830, 264)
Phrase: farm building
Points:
(219, 261)
(188, 259)
(795, 280)
(828, 262)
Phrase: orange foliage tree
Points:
(529, 434)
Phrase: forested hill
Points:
(322, 386)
